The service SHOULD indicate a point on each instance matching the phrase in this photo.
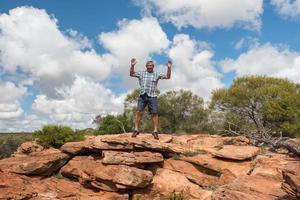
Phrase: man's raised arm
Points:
(169, 65)
(132, 72)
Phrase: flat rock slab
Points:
(250, 188)
(198, 175)
(90, 170)
(236, 152)
(166, 181)
(75, 148)
(198, 142)
(141, 142)
(131, 158)
(42, 163)
(218, 165)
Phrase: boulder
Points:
(131, 158)
(201, 176)
(28, 148)
(250, 188)
(43, 163)
(91, 170)
(272, 164)
(235, 152)
(167, 181)
(218, 165)
(293, 145)
(75, 148)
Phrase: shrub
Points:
(56, 135)
(176, 196)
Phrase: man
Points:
(148, 80)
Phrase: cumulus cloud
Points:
(266, 59)
(10, 100)
(207, 13)
(193, 67)
(287, 8)
(26, 123)
(80, 103)
(31, 41)
(135, 38)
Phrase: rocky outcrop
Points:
(120, 167)
(13, 186)
(40, 163)
(90, 170)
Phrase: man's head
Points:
(150, 66)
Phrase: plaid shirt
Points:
(148, 82)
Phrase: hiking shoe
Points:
(155, 135)
(135, 133)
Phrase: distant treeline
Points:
(9, 142)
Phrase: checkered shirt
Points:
(148, 82)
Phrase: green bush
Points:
(111, 124)
(176, 196)
(56, 135)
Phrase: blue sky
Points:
(67, 61)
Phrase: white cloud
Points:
(135, 38)
(30, 39)
(80, 103)
(10, 100)
(267, 59)
(207, 13)
(287, 8)
(26, 123)
(193, 67)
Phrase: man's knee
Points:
(154, 114)
(139, 113)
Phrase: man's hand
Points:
(133, 61)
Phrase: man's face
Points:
(150, 67)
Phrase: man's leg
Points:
(138, 115)
(137, 121)
(155, 121)
(153, 108)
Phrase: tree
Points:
(261, 106)
(56, 135)
(111, 124)
(179, 111)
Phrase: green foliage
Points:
(259, 104)
(56, 135)
(179, 111)
(111, 124)
(9, 142)
(176, 196)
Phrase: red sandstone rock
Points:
(131, 158)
